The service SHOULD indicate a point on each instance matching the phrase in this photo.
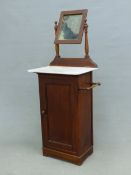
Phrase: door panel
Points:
(59, 98)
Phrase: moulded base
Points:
(68, 157)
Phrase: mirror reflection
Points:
(70, 27)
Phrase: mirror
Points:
(70, 27)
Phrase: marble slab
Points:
(62, 70)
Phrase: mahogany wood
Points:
(86, 40)
(56, 45)
(86, 61)
(66, 116)
(66, 104)
(74, 62)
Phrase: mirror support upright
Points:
(86, 40)
(56, 45)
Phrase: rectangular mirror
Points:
(70, 27)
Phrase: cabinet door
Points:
(59, 120)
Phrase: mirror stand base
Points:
(73, 62)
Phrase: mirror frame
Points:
(71, 41)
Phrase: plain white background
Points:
(26, 41)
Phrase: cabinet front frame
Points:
(44, 81)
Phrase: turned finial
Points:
(55, 27)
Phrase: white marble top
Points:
(63, 70)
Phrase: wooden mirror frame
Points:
(86, 61)
(79, 38)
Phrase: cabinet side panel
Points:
(85, 115)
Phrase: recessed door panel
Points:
(59, 98)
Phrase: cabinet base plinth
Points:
(68, 157)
